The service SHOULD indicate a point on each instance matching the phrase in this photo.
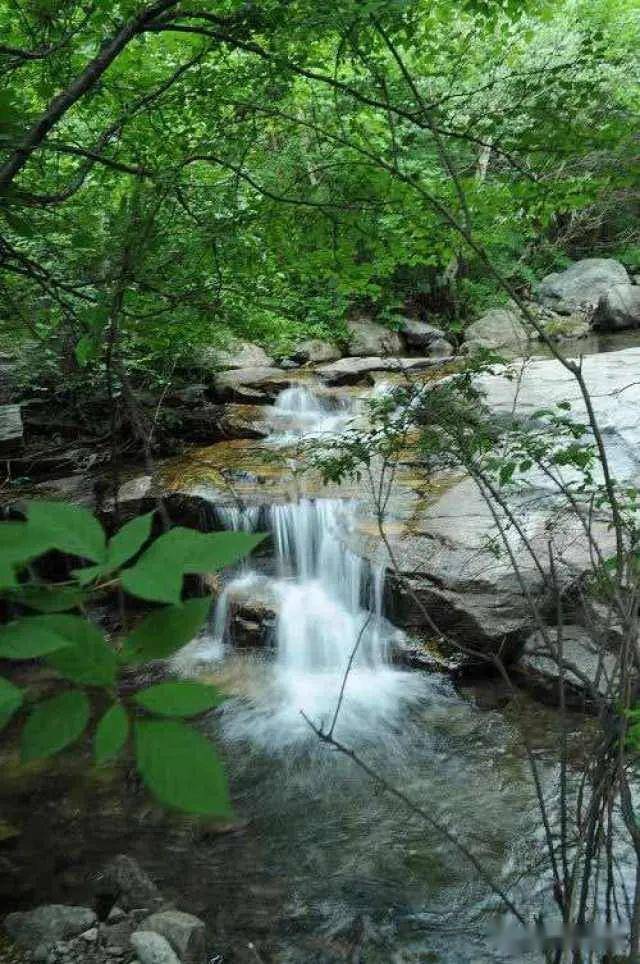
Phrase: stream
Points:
(320, 865)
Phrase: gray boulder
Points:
(185, 933)
(366, 338)
(498, 328)
(240, 354)
(418, 334)
(353, 371)
(586, 671)
(11, 430)
(152, 948)
(44, 926)
(581, 285)
(618, 308)
(315, 351)
(440, 348)
(252, 385)
(130, 885)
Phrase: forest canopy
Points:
(198, 169)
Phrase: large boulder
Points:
(314, 351)
(152, 948)
(125, 880)
(418, 334)
(584, 671)
(185, 933)
(354, 371)
(618, 308)
(11, 430)
(251, 385)
(243, 421)
(496, 329)
(581, 285)
(44, 926)
(366, 338)
(240, 354)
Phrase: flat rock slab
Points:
(11, 429)
(251, 385)
(351, 371)
(587, 668)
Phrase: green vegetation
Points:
(265, 169)
(51, 621)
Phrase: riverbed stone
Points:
(44, 926)
(354, 371)
(130, 885)
(367, 338)
(315, 351)
(185, 933)
(258, 385)
(618, 308)
(152, 948)
(496, 329)
(240, 354)
(243, 421)
(581, 285)
(419, 334)
(11, 429)
(587, 667)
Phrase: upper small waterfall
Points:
(299, 412)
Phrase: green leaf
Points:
(128, 540)
(54, 724)
(19, 542)
(181, 768)
(50, 599)
(33, 636)
(158, 574)
(183, 698)
(69, 528)
(111, 734)
(163, 632)
(89, 660)
(10, 701)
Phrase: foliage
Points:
(49, 621)
(270, 178)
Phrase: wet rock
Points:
(315, 351)
(243, 421)
(366, 338)
(185, 933)
(11, 429)
(44, 926)
(498, 328)
(618, 308)
(151, 948)
(418, 334)
(566, 327)
(353, 371)
(131, 887)
(581, 284)
(241, 354)
(586, 667)
(258, 385)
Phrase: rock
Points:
(11, 430)
(185, 933)
(367, 338)
(586, 668)
(135, 489)
(243, 421)
(90, 936)
(498, 328)
(152, 948)
(351, 371)
(130, 885)
(253, 385)
(441, 348)
(44, 926)
(581, 284)
(566, 327)
(618, 308)
(418, 334)
(314, 351)
(241, 354)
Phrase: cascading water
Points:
(299, 413)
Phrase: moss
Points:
(9, 953)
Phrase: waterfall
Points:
(299, 413)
